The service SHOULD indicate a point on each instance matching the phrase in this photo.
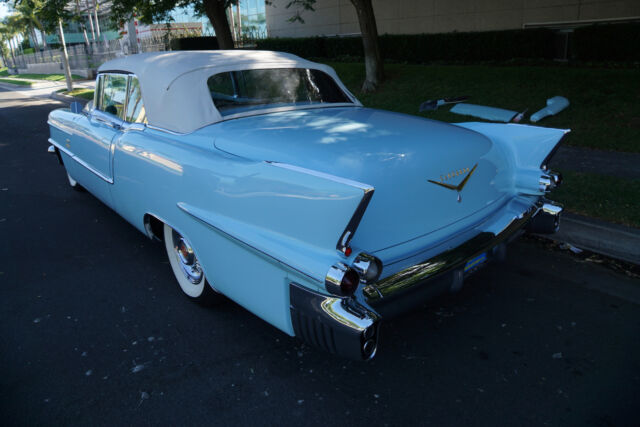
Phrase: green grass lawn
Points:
(605, 102)
(48, 77)
(79, 92)
(604, 114)
(600, 196)
(16, 82)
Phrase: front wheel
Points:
(74, 184)
(187, 269)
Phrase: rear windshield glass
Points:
(240, 91)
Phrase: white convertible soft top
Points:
(174, 84)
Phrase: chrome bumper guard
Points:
(349, 326)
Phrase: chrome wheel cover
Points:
(187, 259)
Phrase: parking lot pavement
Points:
(94, 330)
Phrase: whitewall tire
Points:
(187, 270)
(74, 184)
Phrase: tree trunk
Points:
(44, 39)
(65, 58)
(84, 27)
(35, 42)
(93, 32)
(216, 13)
(95, 18)
(372, 60)
(13, 55)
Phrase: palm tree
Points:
(29, 10)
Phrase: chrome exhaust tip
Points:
(547, 219)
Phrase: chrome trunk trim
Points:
(416, 275)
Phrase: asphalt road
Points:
(94, 330)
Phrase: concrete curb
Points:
(68, 99)
(612, 240)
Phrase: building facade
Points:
(338, 17)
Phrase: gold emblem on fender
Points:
(453, 174)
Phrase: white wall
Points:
(438, 16)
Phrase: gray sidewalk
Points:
(44, 88)
(613, 163)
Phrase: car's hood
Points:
(397, 154)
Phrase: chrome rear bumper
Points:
(348, 326)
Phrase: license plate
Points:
(475, 262)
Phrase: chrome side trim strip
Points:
(158, 128)
(80, 161)
(350, 230)
(360, 185)
(185, 209)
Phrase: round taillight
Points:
(349, 282)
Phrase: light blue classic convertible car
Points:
(271, 184)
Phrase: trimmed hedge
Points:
(604, 42)
(195, 43)
(610, 42)
(475, 46)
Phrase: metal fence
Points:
(86, 57)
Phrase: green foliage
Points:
(149, 11)
(51, 12)
(602, 116)
(422, 48)
(194, 43)
(48, 77)
(612, 42)
(16, 82)
(79, 93)
(619, 42)
(606, 197)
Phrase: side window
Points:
(135, 109)
(112, 94)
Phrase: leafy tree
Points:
(369, 30)
(53, 13)
(29, 11)
(148, 11)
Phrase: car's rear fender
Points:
(254, 225)
(528, 148)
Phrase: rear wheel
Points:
(187, 269)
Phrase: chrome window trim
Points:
(98, 107)
(124, 119)
(80, 161)
(184, 208)
(161, 129)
